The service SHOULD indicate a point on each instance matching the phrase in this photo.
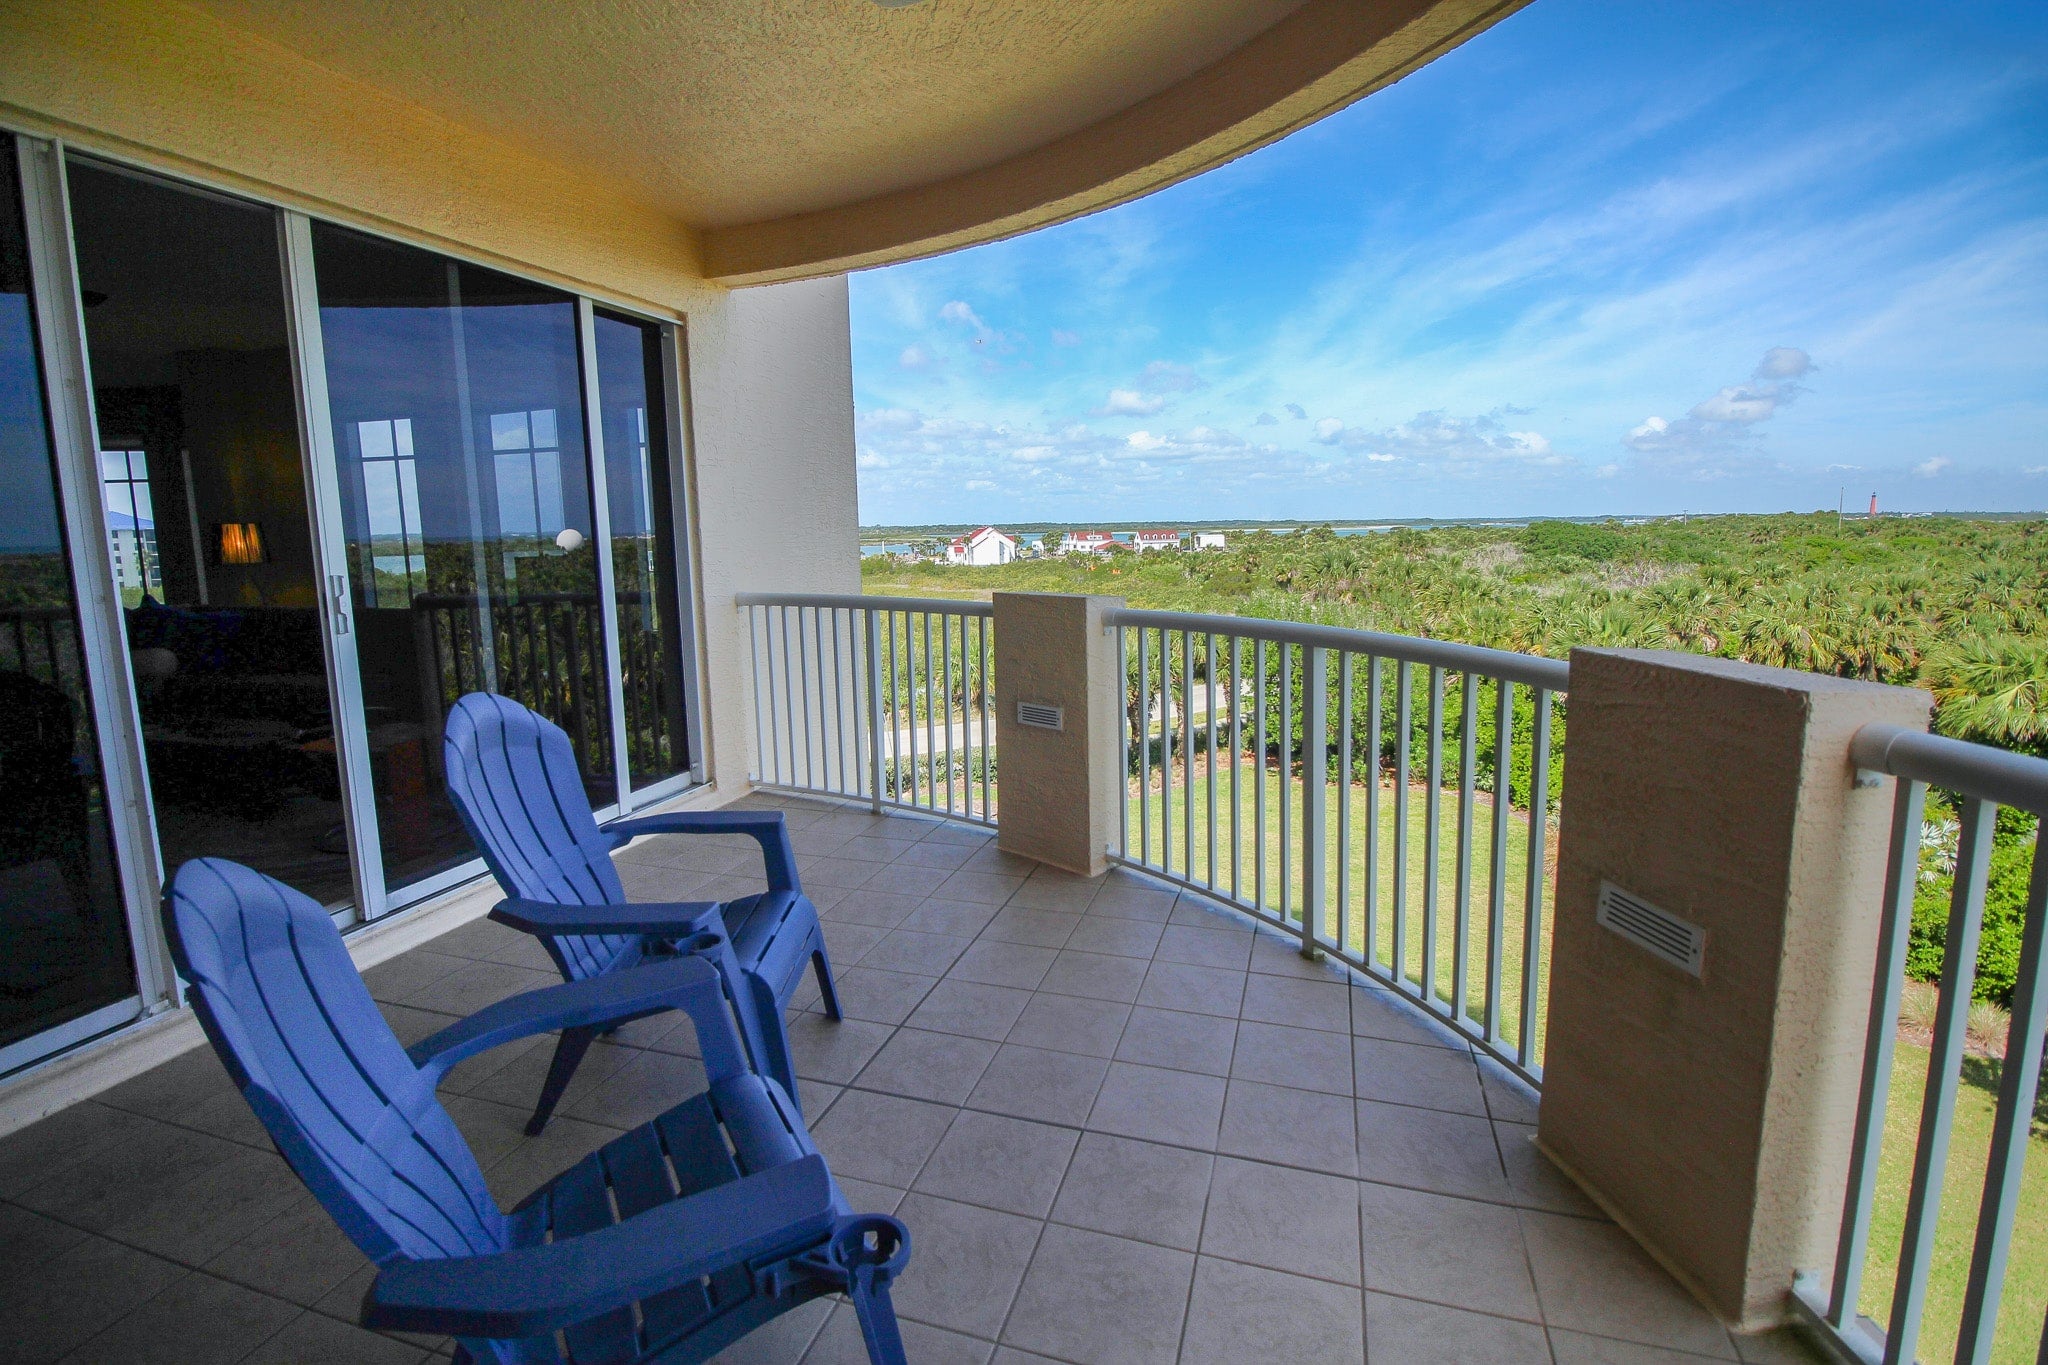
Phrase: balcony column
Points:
(1057, 788)
(1711, 1114)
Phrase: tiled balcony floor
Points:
(1122, 1125)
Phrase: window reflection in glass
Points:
(631, 404)
(63, 938)
(455, 394)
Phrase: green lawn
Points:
(2026, 1282)
(1344, 919)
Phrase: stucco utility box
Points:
(1711, 1113)
(1057, 788)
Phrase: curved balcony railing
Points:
(1300, 773)
(1982, 779)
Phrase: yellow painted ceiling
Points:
(735, 111)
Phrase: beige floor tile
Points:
(966, 1264)
(1304, 1004)
(1000, 1163)
(1179, 1040)
(1428, 1149)
(1591, 1277)
(1408, 1073)
(881, 1138)
(971, 1009)
(1101, 1300)
(1280, 1054)
(1117, 937)
(1298, 1221)
(928, 1066)
(1070, 1023)
(1099, 976)
(1018, 965)
(1038, 1083)
(1197, 990)
(1460, 1252)
(1411, 1333)
(1204, 947)
(1178, 1107)
(1305, 1128)
(1247, 1315)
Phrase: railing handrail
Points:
(864, 602)
(1533, 670)
(1976, 770)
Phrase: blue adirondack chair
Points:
(668, 1243)
(512, 775)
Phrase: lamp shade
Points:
(241, 542)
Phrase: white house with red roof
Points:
(1155, 540)
(1086, 542)
(984, 547)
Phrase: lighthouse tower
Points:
(1873, 507)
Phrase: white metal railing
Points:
(1984, 779)
(880, 699)
(1299, 773)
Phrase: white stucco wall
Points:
(771, 396)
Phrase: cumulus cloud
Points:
(1329, 430)
(914, 358)
(1130, 403)
(1144, 440)
(958, 311)
(1722, 426)
(1927, 469)
(1266, 419)
(1297, 412)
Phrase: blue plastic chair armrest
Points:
(542, 1288)
(687, 983)
(767, 827)
(670, 919)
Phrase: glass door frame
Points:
(68, 394)
(103, 640)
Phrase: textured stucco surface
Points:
(768, 139)
(1059, 787)
(1712, 1116)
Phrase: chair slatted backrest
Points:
(512, 775)
(279, 997)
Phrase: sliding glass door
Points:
(456, 396)
(646, 581)
(64, 947)
(274, 495)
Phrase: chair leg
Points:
(826, 990)
(569, 1051)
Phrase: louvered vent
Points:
(1657, 932)
(1037, 713)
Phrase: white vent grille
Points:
(1657, 932)
(1038, 714)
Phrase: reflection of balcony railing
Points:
(546, 650)
(41, 642)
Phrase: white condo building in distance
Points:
(1155, 540)
(1209, 540)
(984, 547)
(1086, 542)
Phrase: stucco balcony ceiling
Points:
(799, 138)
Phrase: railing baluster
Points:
(1259, 779)
(1285, 872)
(1187, 753)
(986, 658)
(1944, 1067)
(1144, 753)
(1539, 840)
(931, 735)
(1209, 695)
(754, 672)
(1404, 739)
(1432, 809)
(1344, 799)
(946, 699)
(1123, 729)
(1236, 752)
(1165, 752)
(1497, 884)
(1461, 950)
(1315, 763)
(803, 673)
(872, 671)
(1372, 814)
(2016, 1090)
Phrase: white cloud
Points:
(869, 460)
(2035, 469)
(914, 358)
(958, 311)
(1144, 440)
(1035, 454)
(1928, 469)
(1715, 437)
(1266, 419)
(1329, 430)
(1129, 403)
(1164, 376)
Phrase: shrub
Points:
(2005, 902)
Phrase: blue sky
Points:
(1603, 258)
